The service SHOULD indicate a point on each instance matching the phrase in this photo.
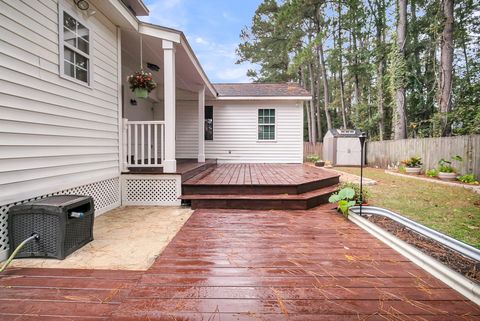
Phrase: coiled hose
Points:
(19, 247)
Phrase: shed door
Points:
(348, 151)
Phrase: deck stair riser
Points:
(205, 189)
(262, 202)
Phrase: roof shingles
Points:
(261, 90)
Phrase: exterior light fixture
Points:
(82, 4)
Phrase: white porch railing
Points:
(144, 143)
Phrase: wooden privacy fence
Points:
(388, 152)
(312, 149)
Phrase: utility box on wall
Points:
(342, 147)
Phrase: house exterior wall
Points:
(235, 132)
(186, 136)
(55, 134)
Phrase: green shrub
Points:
(356, 188)
(344, 200)
(431, 172)
(467, 179)
(313, 158)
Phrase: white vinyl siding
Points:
(186, 131)
(54, 133)
(236, 133)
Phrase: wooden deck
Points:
(260, 187)
(260, 174)
(188, 168)
(245, 265)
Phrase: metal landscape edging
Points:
(462, 248)
(455, 280)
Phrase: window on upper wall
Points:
(208, 122)
(74, 49)
(266, 124)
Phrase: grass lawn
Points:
(454, 211)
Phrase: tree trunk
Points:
(311, 103)
(340, 69)
(356, 84)
(380, 71)
(380, 42)
(318, 89)
(446, 67)
(317, 107)
(306, 107)
(325, 86)
(400, 126)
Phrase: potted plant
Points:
(141, 83)
(316, 160)
(413, 165)
(445, 169)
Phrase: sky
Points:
(212, 28)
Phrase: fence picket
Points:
(389, 152)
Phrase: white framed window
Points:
(266, 124)
(75, 48)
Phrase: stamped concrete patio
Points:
(245, 265)
(126, 238)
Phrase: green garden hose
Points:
(19, 247)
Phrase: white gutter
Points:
(124, 12)
(264, 98)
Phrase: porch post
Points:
(201, 125)
(124, 160)
(169, 163)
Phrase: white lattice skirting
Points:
(151, 190)
(106, 196)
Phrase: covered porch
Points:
(150, 126)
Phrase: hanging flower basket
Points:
(141, 83)
(141, 92)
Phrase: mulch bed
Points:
(463, 265)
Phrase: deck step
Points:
(256, 189)
(261, 201)
(201, 171)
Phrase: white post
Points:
(201, 125)
(170, 163)
(124, 155)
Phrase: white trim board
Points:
(264, 98)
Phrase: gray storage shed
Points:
(342, 147)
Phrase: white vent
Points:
(106, 196)
(151, 190)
